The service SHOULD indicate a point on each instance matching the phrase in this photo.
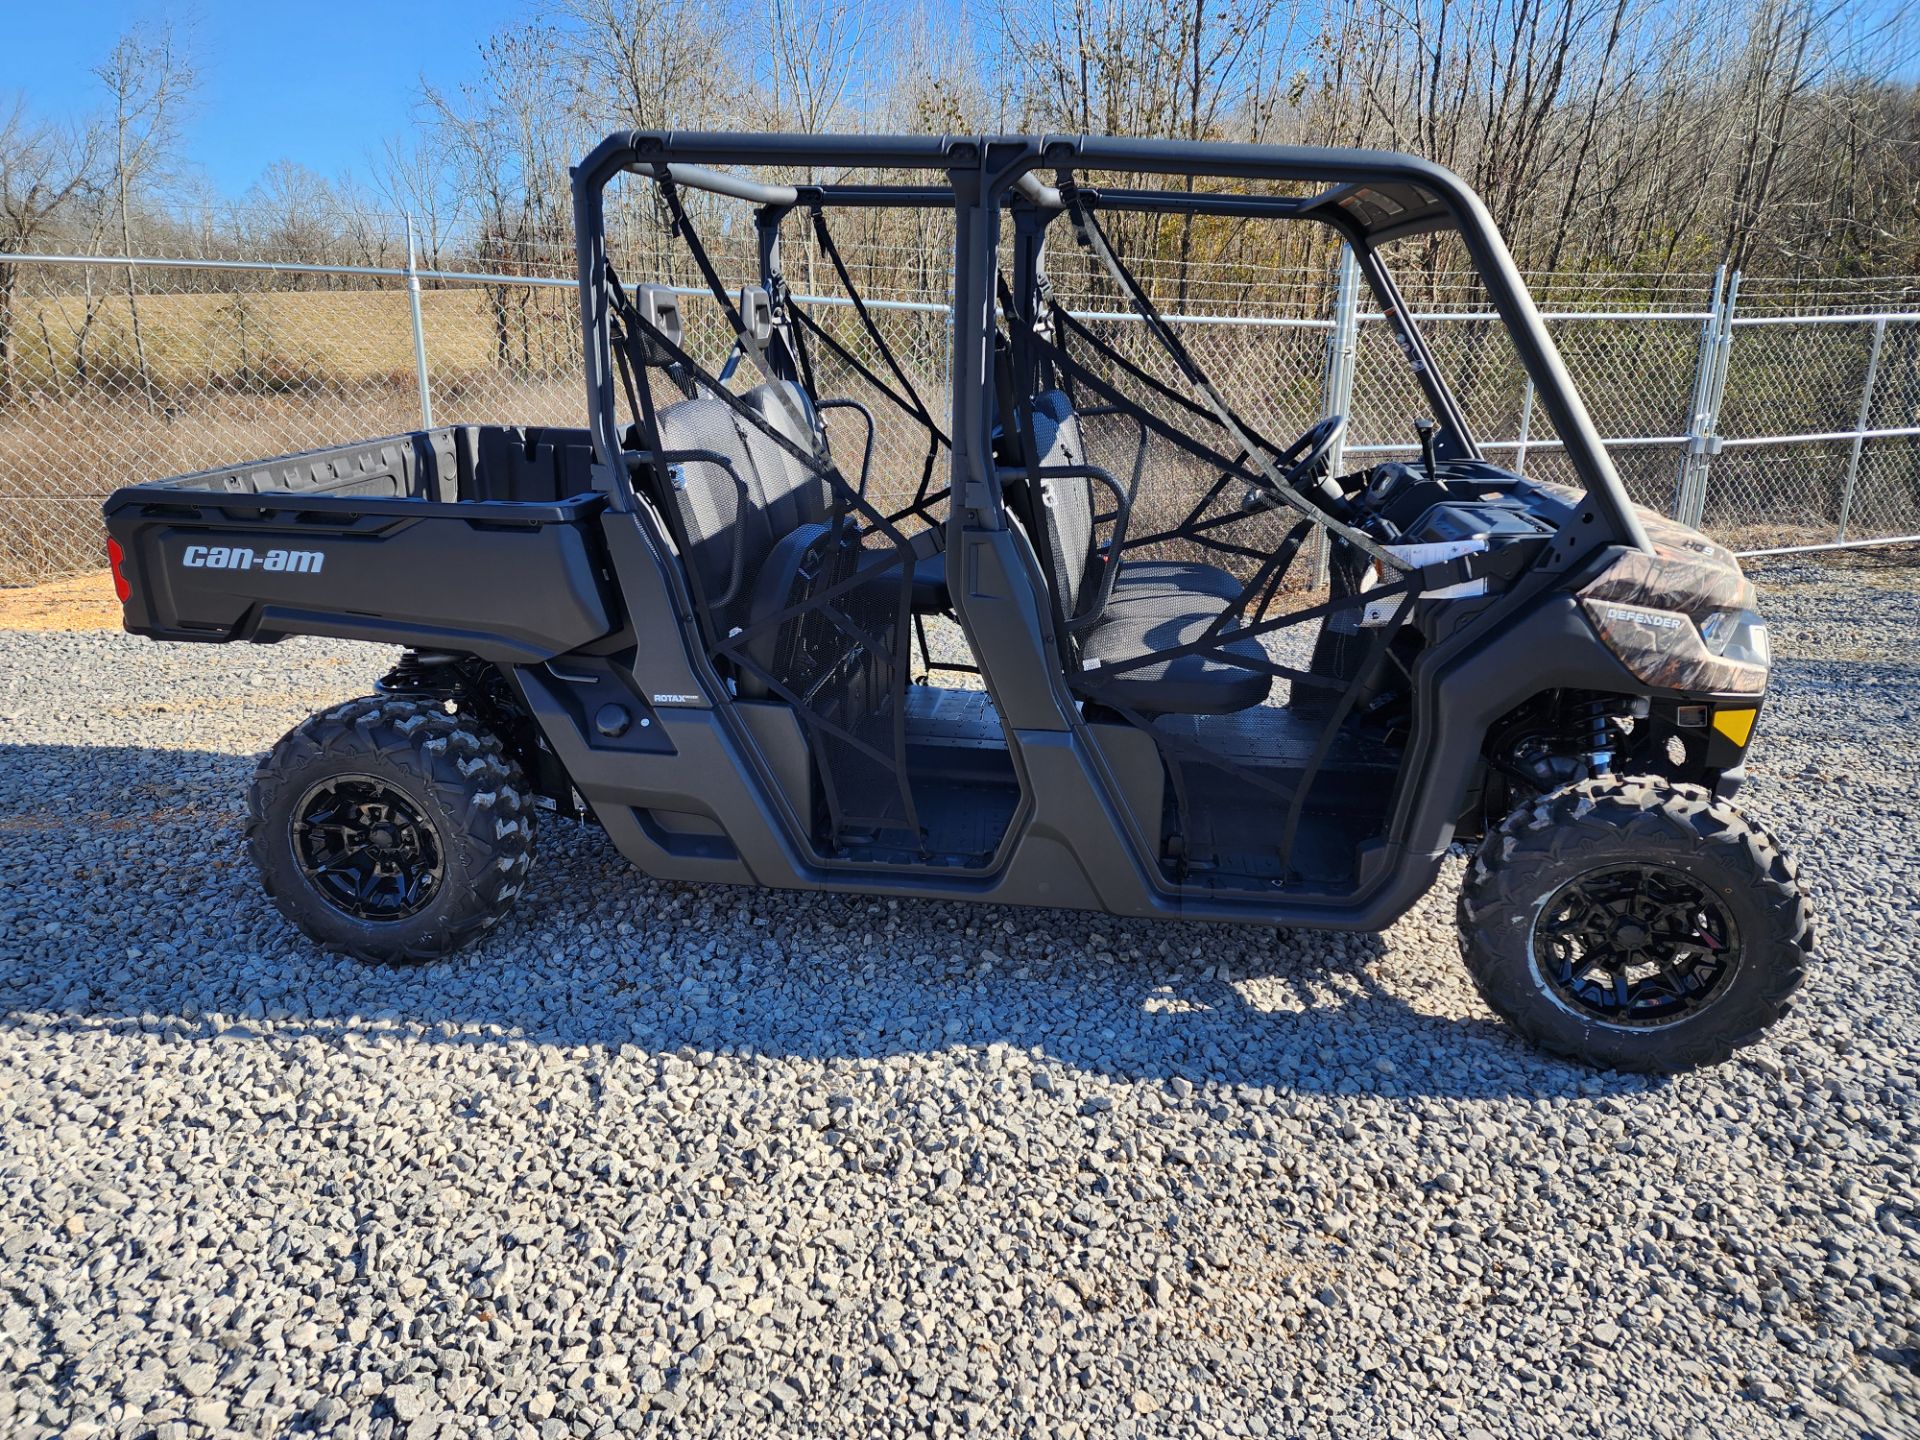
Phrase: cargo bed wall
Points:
(451, 462)
(467, 538)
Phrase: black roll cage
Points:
(1374, 197)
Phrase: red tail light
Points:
(116, 557)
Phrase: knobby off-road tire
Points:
(460, 805)
(1592, 833)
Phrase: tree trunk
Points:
(502, 326)
(139, 342)
(133, 299)
(9, 275)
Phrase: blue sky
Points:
(323, 84)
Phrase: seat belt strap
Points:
(683, 230)
(1087, 230)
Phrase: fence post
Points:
(1691, 458)
(1337, 386)
(1342, 344)
(419, 332)
(1709, 386)
(1526, 428)
(1860, 424)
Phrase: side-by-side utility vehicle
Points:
(1059, 638)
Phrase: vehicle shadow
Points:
(126, 895)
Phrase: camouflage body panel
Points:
(1646, 607)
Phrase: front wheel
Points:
(1634, 924)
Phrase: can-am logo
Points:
(240, 557)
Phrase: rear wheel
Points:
(1635, 924)
(391, 830)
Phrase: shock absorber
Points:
(422, 672)
(1595, 719)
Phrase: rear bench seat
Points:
(1152, 605)
(758, 534)
(774, 495)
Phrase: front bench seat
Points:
(1059, 439)
(1174, 577)
(1199, 684)
(1151, 605)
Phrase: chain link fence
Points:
(1769, 429)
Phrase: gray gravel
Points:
(733, 1162)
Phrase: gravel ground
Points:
(737, 1162)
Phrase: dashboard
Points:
(1455, 500)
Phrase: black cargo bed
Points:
(480, 539)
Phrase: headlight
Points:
(1737, 635)
(1666, 649)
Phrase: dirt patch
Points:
(79, 602)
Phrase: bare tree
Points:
(509, 140)
(42, 169)
(411, 179)
(292, 213)
(816, 52)
(653, 63)
(149, 81)
(936, 86)
(1185, 69)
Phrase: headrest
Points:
(756, 316)
(793, 416)
(660, 308)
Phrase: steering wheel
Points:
(1299, 465)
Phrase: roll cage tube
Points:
(1038, 204)
(1421, 197)
(1375, 196)
(1327, 511)
(688, 159)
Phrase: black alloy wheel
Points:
(1634, 923)
(366, 849)
(1638, 945)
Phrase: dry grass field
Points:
(248, 375)
(78, 602)
(233, 377)
(286, 338)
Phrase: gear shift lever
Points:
(1424, 429)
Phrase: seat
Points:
(810, 650)
(734, 521)
(1143, 607)
(733, 513)
(1174, 577)
(1199, 684)
(930, 585)
(760, 540)
(1071, 507)
(793, 421)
